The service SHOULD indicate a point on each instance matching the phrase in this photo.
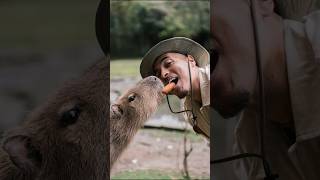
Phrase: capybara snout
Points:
(150, 91)
(139, 101)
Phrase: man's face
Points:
(234, 78)
(174, 67)
(234, 75)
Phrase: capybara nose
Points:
(153, 78)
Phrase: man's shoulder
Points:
(205, 71)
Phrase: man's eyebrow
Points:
(163, 58)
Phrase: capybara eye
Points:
(70, 116)
(131, 98)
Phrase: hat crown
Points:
(176, 44)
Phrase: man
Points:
(289, 52)
(170, 60)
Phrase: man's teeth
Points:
(175, 80)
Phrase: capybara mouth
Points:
(153, 85)
(156, 85)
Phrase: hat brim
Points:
(177, 44)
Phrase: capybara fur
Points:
(67, 137)
(130, 111)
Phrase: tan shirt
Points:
(201, 110)
(301, 160)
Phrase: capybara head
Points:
(130, 111)
(67, 137)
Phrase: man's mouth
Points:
(170, 85)
(172, 79)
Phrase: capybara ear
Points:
(23, 153)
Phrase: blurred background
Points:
(135, 27)
(42, 44)
(157, 151)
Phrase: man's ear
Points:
(191, 60)
(266, 7)
(23, 153)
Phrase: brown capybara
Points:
(67, 137)
(130, 111)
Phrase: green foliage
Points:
(188, 19)
(138, 25)
(151, 174)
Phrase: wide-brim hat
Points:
(178, 45)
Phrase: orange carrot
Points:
(169, 87)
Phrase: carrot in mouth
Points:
(168, 88)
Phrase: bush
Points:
(136, 26)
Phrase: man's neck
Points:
(196, 88)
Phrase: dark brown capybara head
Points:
(67, 137)
(131, 111)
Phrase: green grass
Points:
(177, 135)
(146, 174)
(125, 68)
(151, 174)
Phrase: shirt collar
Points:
(204, 77)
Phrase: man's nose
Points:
(164, 73)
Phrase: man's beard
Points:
(183, 94)
(230, 106)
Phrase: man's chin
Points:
(182, 94)
(231, 106)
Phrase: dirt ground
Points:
(163, 150)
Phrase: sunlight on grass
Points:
(142, 174)
(151, 174)
(158, 133)
(125, 68)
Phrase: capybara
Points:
(130, 111)
(67, 137)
